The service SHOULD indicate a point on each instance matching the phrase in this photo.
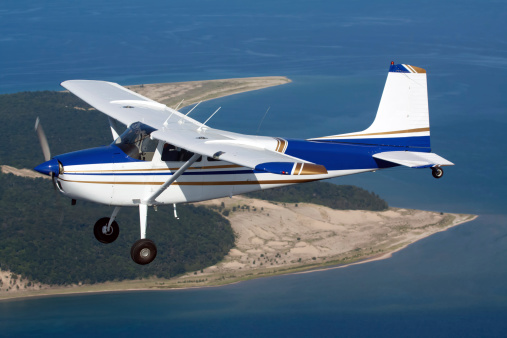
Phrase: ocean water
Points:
(337, 54)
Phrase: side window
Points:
(170, 153)
(136, 142)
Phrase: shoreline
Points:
(220, 278)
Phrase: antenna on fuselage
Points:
(181, 120)
(179, 104)
(175, 213)
(166, 123)
(266, 113)
(209, 118)
(193, 108)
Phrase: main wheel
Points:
(143, 251)
(102, 234)
(437, 172)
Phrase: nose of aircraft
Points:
(48, 167)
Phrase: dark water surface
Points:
(337, 54)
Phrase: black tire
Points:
(437, 172)
(143, 251)
(99, 228)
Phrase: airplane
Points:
(166, 157)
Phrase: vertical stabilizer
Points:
(402, 117)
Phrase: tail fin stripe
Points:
(417, 130)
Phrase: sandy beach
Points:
(276, 238)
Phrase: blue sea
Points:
(337, 54)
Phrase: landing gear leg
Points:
(437, 172)
(144, 250)
(106, 230)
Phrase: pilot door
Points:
(132, 165)
(187, 187)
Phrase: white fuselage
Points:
(127, 184)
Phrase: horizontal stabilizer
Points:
(413, 159)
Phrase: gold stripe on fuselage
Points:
(298, 168)
(228, 166)
(281, 145)
(198, 183)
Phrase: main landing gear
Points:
(144, 250)
(106, 230)
(437, 172)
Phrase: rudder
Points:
(402, 117)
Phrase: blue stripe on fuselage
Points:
(404, 142)
(342, 156)
(167, 173)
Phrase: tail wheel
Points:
(103, 234)
(437, 172)
(143, 251)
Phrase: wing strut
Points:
(115, 128)
(150, 200)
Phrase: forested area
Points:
(67, 121)
(44, 238)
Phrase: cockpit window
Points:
(136, 142)
(170, 153)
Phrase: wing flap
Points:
(413, 159)
(239, 152)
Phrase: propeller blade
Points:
(42, 140)
(53, 179)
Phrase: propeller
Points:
(42, 140)
(51, 167)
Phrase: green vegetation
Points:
(342, 197)
(66, 120)
(46, 239)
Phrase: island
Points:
(273, 234)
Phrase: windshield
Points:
(136, 142)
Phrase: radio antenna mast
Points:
(209, 118)
(266, 113)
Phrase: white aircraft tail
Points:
(402, 118)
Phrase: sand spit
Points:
(276, 238)
(192, 92)
(22, 172)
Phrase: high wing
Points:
(182, 131)
(413, 159)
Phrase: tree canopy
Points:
(46, 239)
